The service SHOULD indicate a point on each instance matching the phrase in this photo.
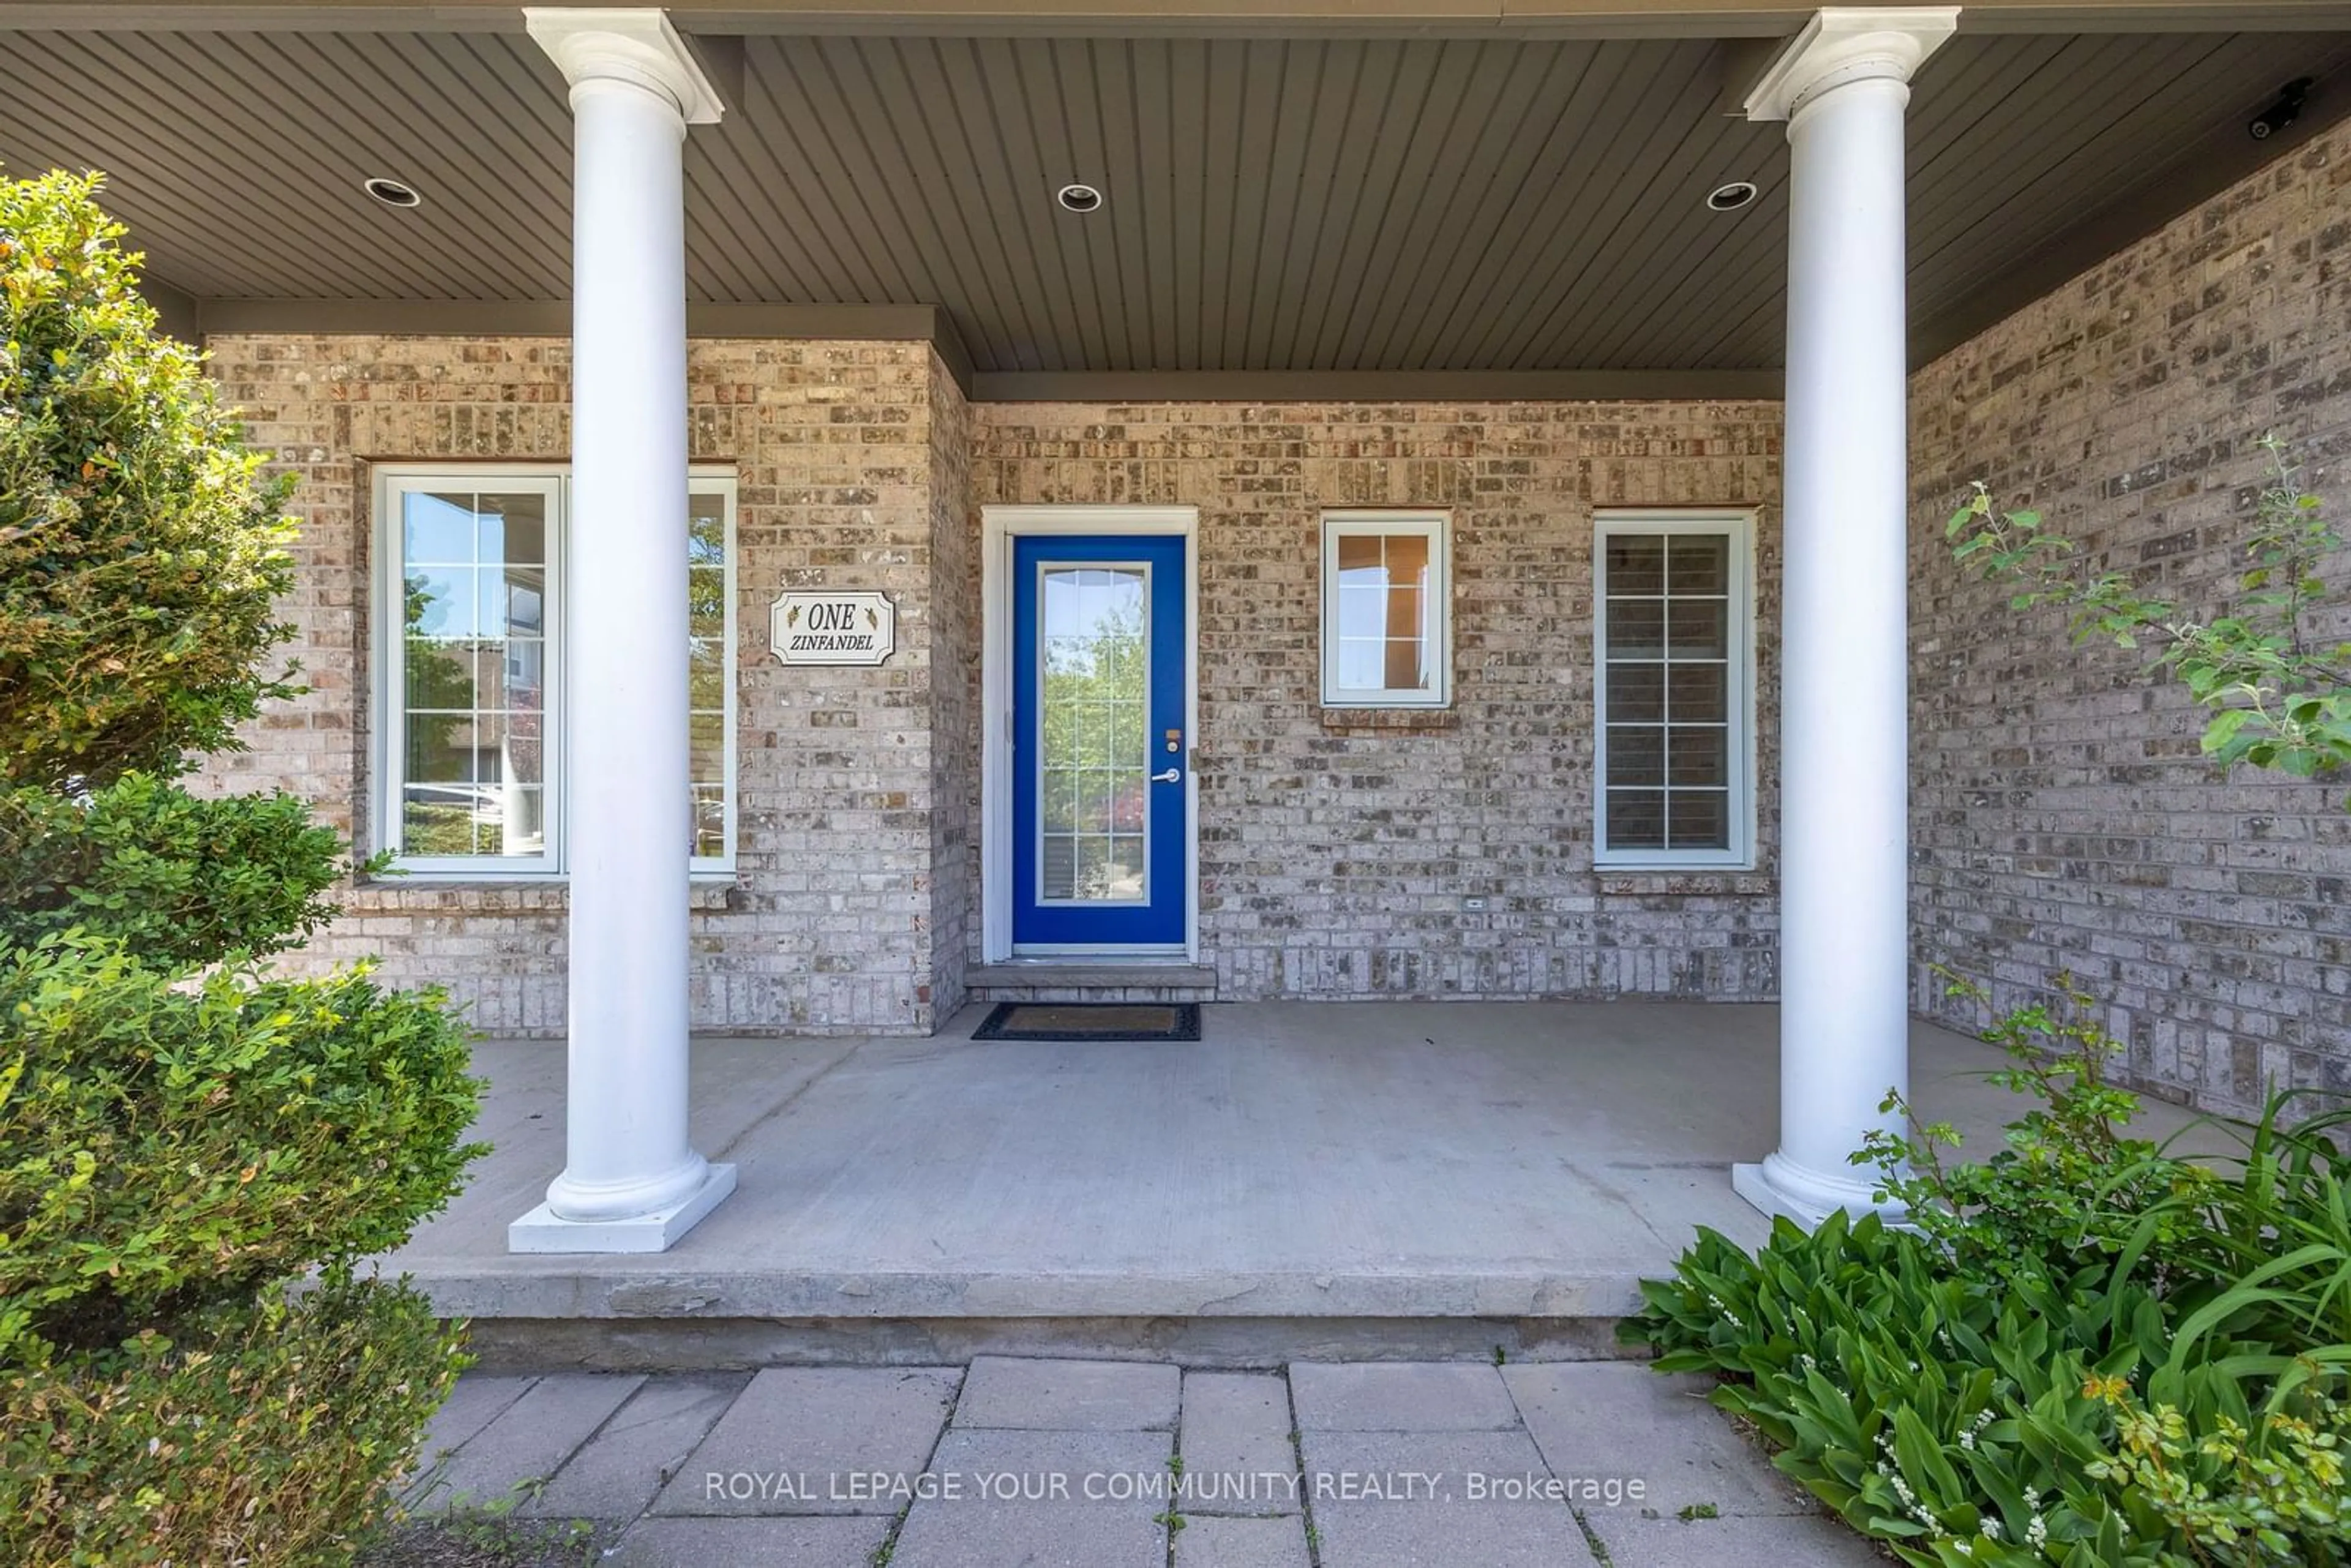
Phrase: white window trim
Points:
(1436, 526)
(386, 695)
(1740, 526)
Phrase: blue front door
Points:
(1099, 750)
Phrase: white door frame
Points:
(998, 527)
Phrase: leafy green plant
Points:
(1945, 1415)
(184, 1138)
(2235, 1497)
(173, 876)
(171, 1145)
(2278, 696)
(2088, 1351)
(2262, 1257)
(142, 549)
(2068, 1186)
(268, 1434)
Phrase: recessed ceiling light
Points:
(392, 192)
(1731, 197)
(1079, 198)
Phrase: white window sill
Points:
(1686, 868)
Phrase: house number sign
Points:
(833, 628)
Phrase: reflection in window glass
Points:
(1384, 611)
(472, 776)
(707, 614)
(474, 628)
(1093, 786)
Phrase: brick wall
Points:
(2064, 817)
(954, 696)
(846, 457)
(1335, 853)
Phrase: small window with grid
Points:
(1386, 639)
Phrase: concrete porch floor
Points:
(1309, 1178)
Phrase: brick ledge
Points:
(403, 895)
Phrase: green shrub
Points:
(2255, 1246)
(173, 876)
(183, 1138)
(268, 1435)
(2067, 1186)
(2234, 1500)
(2088, 1352)
(172, 1146)
(140, 550)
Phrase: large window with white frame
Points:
(1673, 633)
(1386, 626)
(469, 698)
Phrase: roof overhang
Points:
(1381, 19)
(1386, 212)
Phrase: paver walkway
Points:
(1017, 1463)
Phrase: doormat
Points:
(1091, 1020)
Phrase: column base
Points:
(1779, 1187)
(541, 1231)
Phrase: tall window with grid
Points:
(1673, 698)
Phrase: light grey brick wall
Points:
(847, 458)
(955, 698)
(2064, 817)
(1336, 848)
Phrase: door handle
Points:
(1169, 777)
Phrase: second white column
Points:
(1845, 928)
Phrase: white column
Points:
(1845, 1022)
(632, 1181)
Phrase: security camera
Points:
(2283, 114)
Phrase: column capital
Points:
(1842, 43)
(634, 45)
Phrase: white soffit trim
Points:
(636, 46)
(1842, 43)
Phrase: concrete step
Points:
(721, 1344)
(1087, 980)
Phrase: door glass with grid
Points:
(1094, 688)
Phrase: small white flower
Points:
(1991, 1529)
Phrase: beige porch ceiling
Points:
(1321, 202)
